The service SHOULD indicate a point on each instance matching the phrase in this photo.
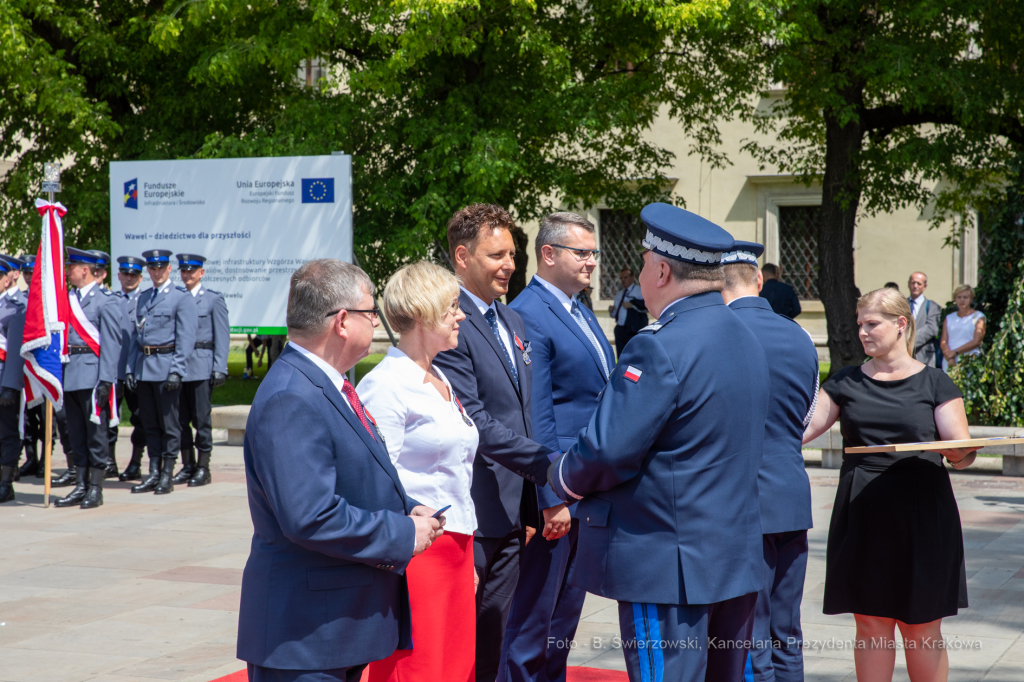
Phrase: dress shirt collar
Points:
(665, 309)
(743, 296)
(334, 375)
(479, 302)
(195, 292)
(84, 291)
(556, 292)
(163, 287)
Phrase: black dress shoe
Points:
(64, 480)
(150, 481)
(111, 470)
(133, 472)
(77, 494)
(166, 483)
(7, 484)
(31, 465)
(94, 496)
(202, 474)
(188, 466)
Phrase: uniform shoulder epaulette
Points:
(181, 289)
(655, 327)
(213, 291)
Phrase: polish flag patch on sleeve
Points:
(633, 374)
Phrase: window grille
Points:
(798, 249)
(621, 234)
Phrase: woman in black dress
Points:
(895, 548)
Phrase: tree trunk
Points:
(840, 197)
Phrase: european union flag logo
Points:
(131, 194)
(318, 190)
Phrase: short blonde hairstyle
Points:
(419, 293)
(962, 288)
(893, 304)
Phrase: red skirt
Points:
(443, 606)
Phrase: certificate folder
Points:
(935, 445)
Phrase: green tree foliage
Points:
(880, 102)
(999, 272)
(526, 104)
(82, 82)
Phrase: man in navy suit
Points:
(666, 471)
(324, 591)
(491, 373)
(571, 362)
(784, 492)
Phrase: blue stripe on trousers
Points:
(648, 642)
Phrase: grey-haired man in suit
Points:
(207, 369)
(94, 345)
(927, 319)
(163, 339)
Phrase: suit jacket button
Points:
(588, 519)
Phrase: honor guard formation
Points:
(161, 351)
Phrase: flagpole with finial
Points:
(51, 185)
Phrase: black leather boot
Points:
(7, 484)
(77, 494)
(202, 475)
(31, 465)
(67, 478)
(154, 477)
(133, 472)
(94, 496)
(166, 484)
(111, 463)
(188, 466)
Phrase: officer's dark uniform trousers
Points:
(197, 411)
(158, 410)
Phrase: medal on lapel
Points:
(462, 410)
(525, 350)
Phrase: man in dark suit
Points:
(927, 319)
(571, 362)
(784, 492)
(491, 373)
(666, 471)
(780, 296)
(627, 310)
(324, 591)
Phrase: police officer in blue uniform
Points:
(12, 380)
(666, 472)
(89, 378)
(207, 369)
(784, 491)
(129, 274)
(163, 339)
(102, 268)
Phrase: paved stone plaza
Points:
(146, 588)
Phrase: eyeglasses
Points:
(455, 307)
(581, 254)
(373, 312)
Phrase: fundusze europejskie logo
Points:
(131, 194)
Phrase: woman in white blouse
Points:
(964, 330)
(432, 443)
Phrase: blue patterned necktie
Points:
(578, 316)
(492, 319)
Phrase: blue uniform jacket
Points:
(783, 489)
(667, 467)
(163, 317)
(9, 307)
(84, 370)
(212, 327)
(324, 586)
(127, 302)
(12, 372)
(567, 373)
(477, 371)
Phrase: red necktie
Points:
(350, 392)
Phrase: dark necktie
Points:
(350, 392)
(577, 315)
(492, 319)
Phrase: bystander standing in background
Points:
(927, 318)
(964, 330)
(781, 296)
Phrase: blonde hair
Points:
(420, 292)
(892, 304)
(962, 288)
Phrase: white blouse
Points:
(960, 331)
(431, 441)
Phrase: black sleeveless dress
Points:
(895, 546)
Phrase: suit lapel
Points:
(560, 312)
(478, 321)
(340, 402)
(515, 353)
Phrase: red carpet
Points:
(575, 674)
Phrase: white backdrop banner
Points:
(255, 220)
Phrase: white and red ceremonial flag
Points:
(44, 345)
(91, 335)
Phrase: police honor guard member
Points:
(784, 491)
(163, 339)
(12, 380)
(129, 274)
(102, 268)
(207, 369)
(94, 345)
(666, 472)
